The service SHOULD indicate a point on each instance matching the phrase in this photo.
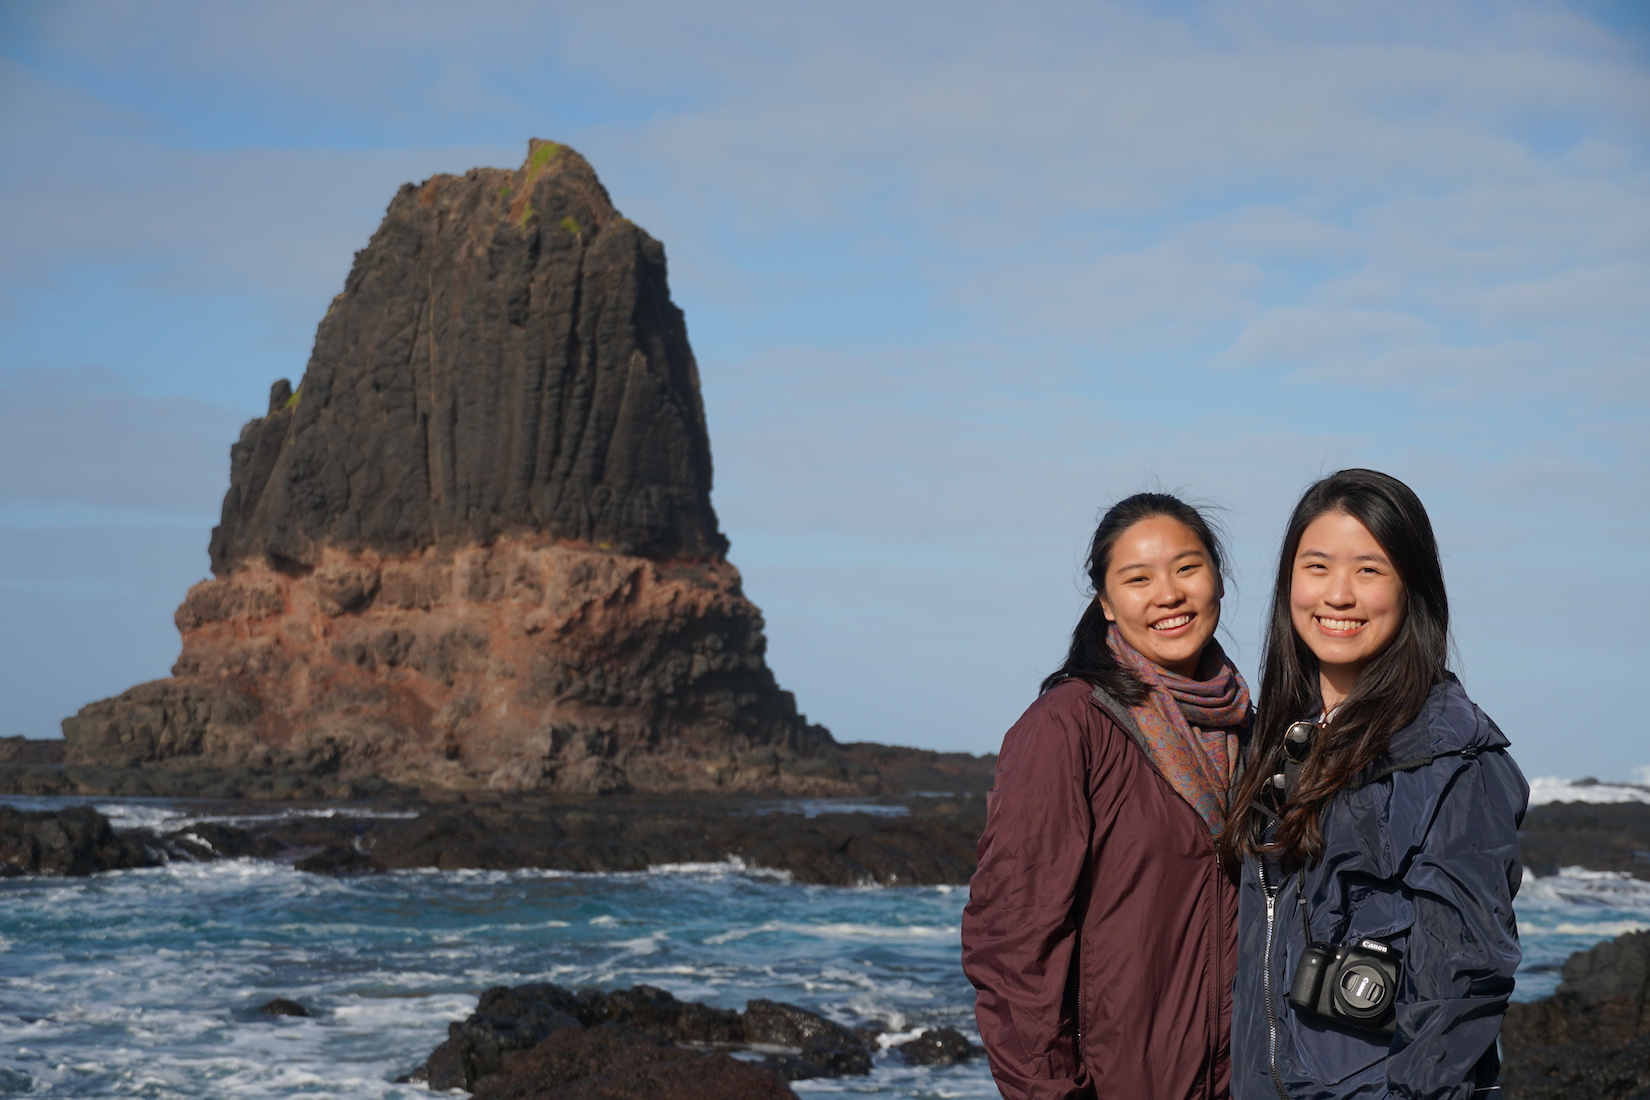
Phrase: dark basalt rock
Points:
(505, 1021)
(1577, 1071)
(613, 1062)
(934, 845)
(504, 357)
(280, 1006)
(1602, 836)
(1591, 1039)
(486, 1046)
(335, 859)
(825, 1048)
(76, 841)
(938, 1046)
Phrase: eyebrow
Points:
(1381, 558)
(1145, 565)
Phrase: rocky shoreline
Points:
(1591, 1039)
(918, 841)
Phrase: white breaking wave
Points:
(1607, 929)
(1552, 788)
(1577, 886)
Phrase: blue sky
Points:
(957, 275)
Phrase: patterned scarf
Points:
(1190, 728)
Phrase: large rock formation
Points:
(475, 547)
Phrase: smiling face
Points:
(1345, 600)
(1163, 593)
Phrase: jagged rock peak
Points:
(504, 359)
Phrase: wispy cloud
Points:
(957, 275)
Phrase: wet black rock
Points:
(1608, 836)
(280, 1006)
(506, 1020)
(76, 841)
(932, 844)
(514, 1019)
(614, 1062)
(1577, 1071)
(824, 1048)
(336, 859)
(1591, 1039)
(938, 1046)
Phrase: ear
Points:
(1105, 608)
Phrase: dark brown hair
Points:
(1090, 658)
(1390, 690)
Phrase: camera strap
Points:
(1300, 900)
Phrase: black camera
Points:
(1353, 984)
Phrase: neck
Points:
(1335, 683)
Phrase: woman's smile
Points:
(1346, 599)
(1163, 593)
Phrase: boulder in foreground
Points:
(562, 1028)
(1591, 1039)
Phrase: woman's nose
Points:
(1339, 592)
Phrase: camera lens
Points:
(1363, 989)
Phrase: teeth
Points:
(1341, 624)
(1171, 624)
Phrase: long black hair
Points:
(1090, 658)
(1389, 692)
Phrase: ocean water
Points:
(146, 983)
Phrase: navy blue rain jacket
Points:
(1426, 860)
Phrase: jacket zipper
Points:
(1079, 1003)
(1266, 982)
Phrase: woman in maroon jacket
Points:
(1100, 930)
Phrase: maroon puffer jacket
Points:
(1100, 930)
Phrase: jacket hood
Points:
(1448, 722)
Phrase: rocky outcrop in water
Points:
(610, 1062)
(74, 842)
(507, 1020)
(933, 845)
(1602, 836)
(1591, 1039)
(475, 547)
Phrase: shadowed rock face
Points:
(1591, 1039)
(476, 546)
(504, 358)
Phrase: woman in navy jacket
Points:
(1376, 824)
